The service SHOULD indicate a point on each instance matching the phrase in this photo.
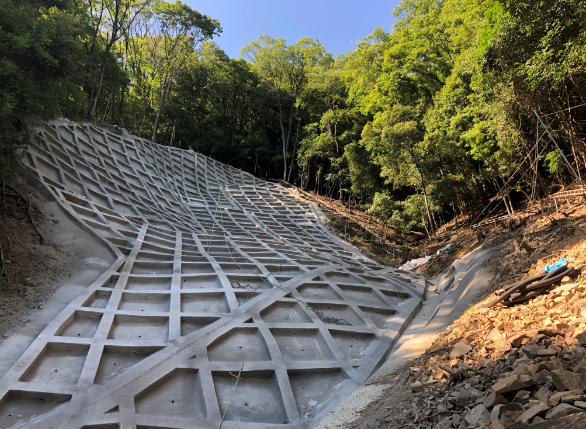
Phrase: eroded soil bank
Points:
(520, 366)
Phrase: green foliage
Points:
(40, 53)
(554, 162)
(419, 123)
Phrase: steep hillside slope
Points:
(215, 274)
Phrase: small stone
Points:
(560, 364)
(581, 367)
(493, 335)
(478, 416)
(539, 409)
(543, 395)
(514, 410)
(542, 377)
(538, 419)
(525, 370)
(517, 340)
(565, 380)
(521, 396)
(580, 404)
(509, 417)
(547, 352)
(531, 351)
(496, 425)
(460, 350)
(416, 387)
(512, 383)
(531, 403)
(581, 337)
(494, 398)
(562, 410)
(572, 399)
(548, 332)
(444, 424)
(503, 345)
(566, 280)
(556, 397)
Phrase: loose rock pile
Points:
(502, 366)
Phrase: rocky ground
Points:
(520, 366)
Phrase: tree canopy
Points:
(420, 123)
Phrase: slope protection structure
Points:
(216, 274)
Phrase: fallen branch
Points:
(29, 215)
(3, 271)
(230, 400)
(425, 418)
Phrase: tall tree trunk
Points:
(284, 140)
(100, 81)
(294, 149)
(427, 209)
(161, 99)
(426, 201)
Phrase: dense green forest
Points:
(420, 123)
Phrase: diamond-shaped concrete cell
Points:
(213, 302)
(139, 283)
(284, 269)
(201, 282)
(312, 388)
(243, 297)
(83, 324)
(152, 268)
(256, 399)
(354, 345)
(111, 282)
(19, 407)
(338, 277)
(319, 291)
(60, 363)
(98, 299)
(285, 312)
(116, 360)
(395, 296)
(192, 324)
(239, 345)
(177, 394)
(196, 268)
(139, 328)
(149, 256)
(149, 302)
(302, 344)
(337, 314)
(379, 316)
(361, 295)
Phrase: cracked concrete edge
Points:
(417, 338)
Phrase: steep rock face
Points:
(217, 275)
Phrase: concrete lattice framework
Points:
(213, 268)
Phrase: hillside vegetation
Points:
(422, 123)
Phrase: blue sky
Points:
(336, 23)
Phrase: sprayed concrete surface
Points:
(454, 291)
(191, 272)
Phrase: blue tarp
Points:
(558, 264)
